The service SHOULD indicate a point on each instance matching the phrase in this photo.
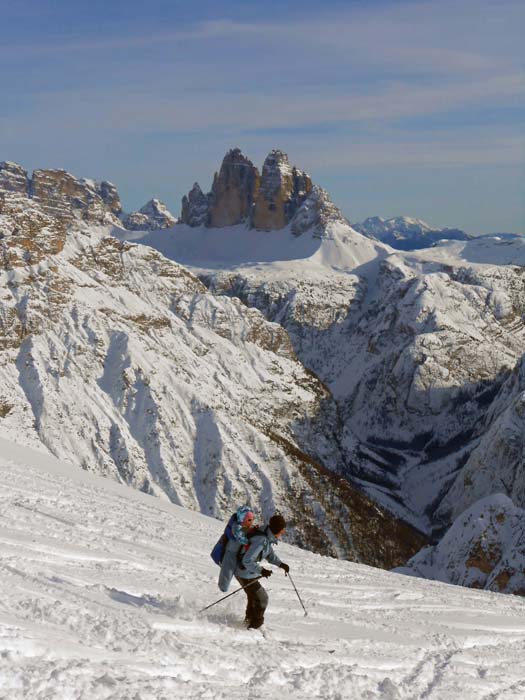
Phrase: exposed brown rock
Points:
(65, 197)
(485, 557)
(282, 191)
(283, 194)
(27, 234)
(234, 190)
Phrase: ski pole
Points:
(229, 594)
(295, 589)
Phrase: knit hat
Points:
(277, 523)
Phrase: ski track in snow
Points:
(101, 588)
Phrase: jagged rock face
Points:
(234, 191)
(316, 213)
(154, 215)
(62, 196)
(65, 197)
(195, 207)
(282, 191)
(13, 178)
(27, 234)
(484, 548)
(110, 197)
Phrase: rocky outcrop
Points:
(266, 202)
(233, 191)
(13, 178)
(66, 197)
(282, 191)
(195, 207)
(110, 197)
(317, 212)
(484, 548)
(27, 233)
(153, 216)
(62, 196)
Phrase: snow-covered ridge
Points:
(102, 587)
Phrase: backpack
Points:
(217, 553)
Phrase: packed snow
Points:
(102, 587)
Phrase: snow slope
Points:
(101, 588)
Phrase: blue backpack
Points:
(217, 553)
(230, 533)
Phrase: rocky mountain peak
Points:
(240, 194)
(194, 207)
(234, 190)
(406, 232)
(316, 212)
(282, 191)
(154, 215)
(110, 197)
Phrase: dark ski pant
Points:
(257, 602)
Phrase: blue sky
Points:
(396, 108)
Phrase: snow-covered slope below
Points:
(102, 587)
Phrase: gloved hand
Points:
(265, 573)
(284, 567)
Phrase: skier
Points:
(248, 568)
(236, 545)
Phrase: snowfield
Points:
(102, 587)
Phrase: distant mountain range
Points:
(408, 233)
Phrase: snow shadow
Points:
(176, 607)
(228, 246)
(130, 392)
(207, 455)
